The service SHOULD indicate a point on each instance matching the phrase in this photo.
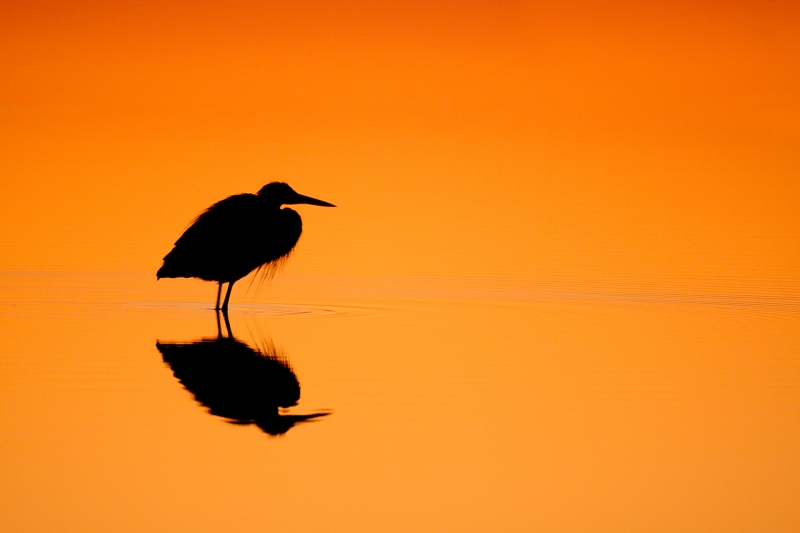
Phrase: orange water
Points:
(467, 408)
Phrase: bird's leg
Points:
(227, 296)
(227, 323)
(219, 293)
(219, 328)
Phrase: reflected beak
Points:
(300, 199)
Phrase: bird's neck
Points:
(269, 204)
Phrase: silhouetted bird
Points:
(237, 235)
(237, 382)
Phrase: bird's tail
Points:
(165, 272)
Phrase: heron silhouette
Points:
(242, 384)
(238, 235)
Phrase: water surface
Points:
(479, 405)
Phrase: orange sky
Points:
(458, 137)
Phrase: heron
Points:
(243, 384)
(237, 235)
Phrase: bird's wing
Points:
(220, 221)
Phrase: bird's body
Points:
(231, 239)
(246, 385)
(238, 235)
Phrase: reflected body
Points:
(237, 382)
(238, 235)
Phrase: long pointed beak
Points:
(300, 199)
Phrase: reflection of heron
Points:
(237, 235)
(237, 382)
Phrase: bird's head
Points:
(279, 193)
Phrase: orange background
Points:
(484, 151)
(482, 137)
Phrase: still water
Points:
(424, 405)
